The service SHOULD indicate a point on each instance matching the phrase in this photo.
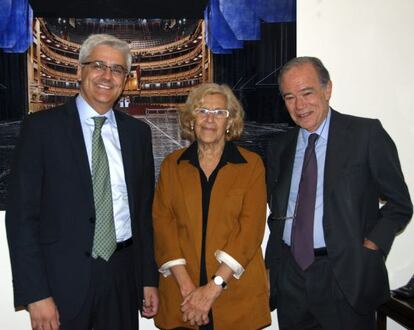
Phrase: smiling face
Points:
(307, 101)
(209, 129)
(101, 88)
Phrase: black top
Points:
(230, 155)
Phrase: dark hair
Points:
(322, 72)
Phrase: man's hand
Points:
(268, 281)
(44, 314)
(151, 301)
(370, 245)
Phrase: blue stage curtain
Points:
(276, 11)
(16, 35)
(231, 22)
(241, 17)
(5, 11)
(221, 38)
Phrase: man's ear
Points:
(126, 79)
(79, 73)
(328, 90)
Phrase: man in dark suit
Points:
(78, 219)
(329, 236)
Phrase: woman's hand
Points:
(197, 304)
(183, 279)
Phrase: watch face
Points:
(218, 280)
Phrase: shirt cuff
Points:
(165, 268)
(237, 269)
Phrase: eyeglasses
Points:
(217, 113)
(99, 66)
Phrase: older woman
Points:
(209, 215)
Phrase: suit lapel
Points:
(78, 149)
(337, 152)
(127, 151)
(286, 160)
(189, 178)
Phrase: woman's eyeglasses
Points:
(217, 113)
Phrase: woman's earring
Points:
(192, 126)
(227, 131)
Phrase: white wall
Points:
(367, 47)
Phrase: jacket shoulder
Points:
(44, 117)
(174, 156)
(354, 120)
(248, 155)
(136, 122)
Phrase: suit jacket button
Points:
(92, 220)
(88, 254)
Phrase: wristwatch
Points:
(218, 280)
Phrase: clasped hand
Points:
(197, 304)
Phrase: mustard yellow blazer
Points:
(236, 220)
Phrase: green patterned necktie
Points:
(104, 241)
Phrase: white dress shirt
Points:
(110, 138)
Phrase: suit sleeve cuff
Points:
(237, 269)
(165, 268)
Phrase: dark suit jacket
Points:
(50, 212)
(361, 167)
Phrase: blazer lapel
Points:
(189, 178)
(281, 194)
(225, 179)
(337, 152)
(127, 150)
(78, 149)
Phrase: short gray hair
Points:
(322, 72)
(95, 40)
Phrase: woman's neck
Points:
(209, 156)
(210, 151)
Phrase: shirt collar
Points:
(230, 154)
(322, 130)
(86, 113)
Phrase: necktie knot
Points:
(99, 121)
(312, 139)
